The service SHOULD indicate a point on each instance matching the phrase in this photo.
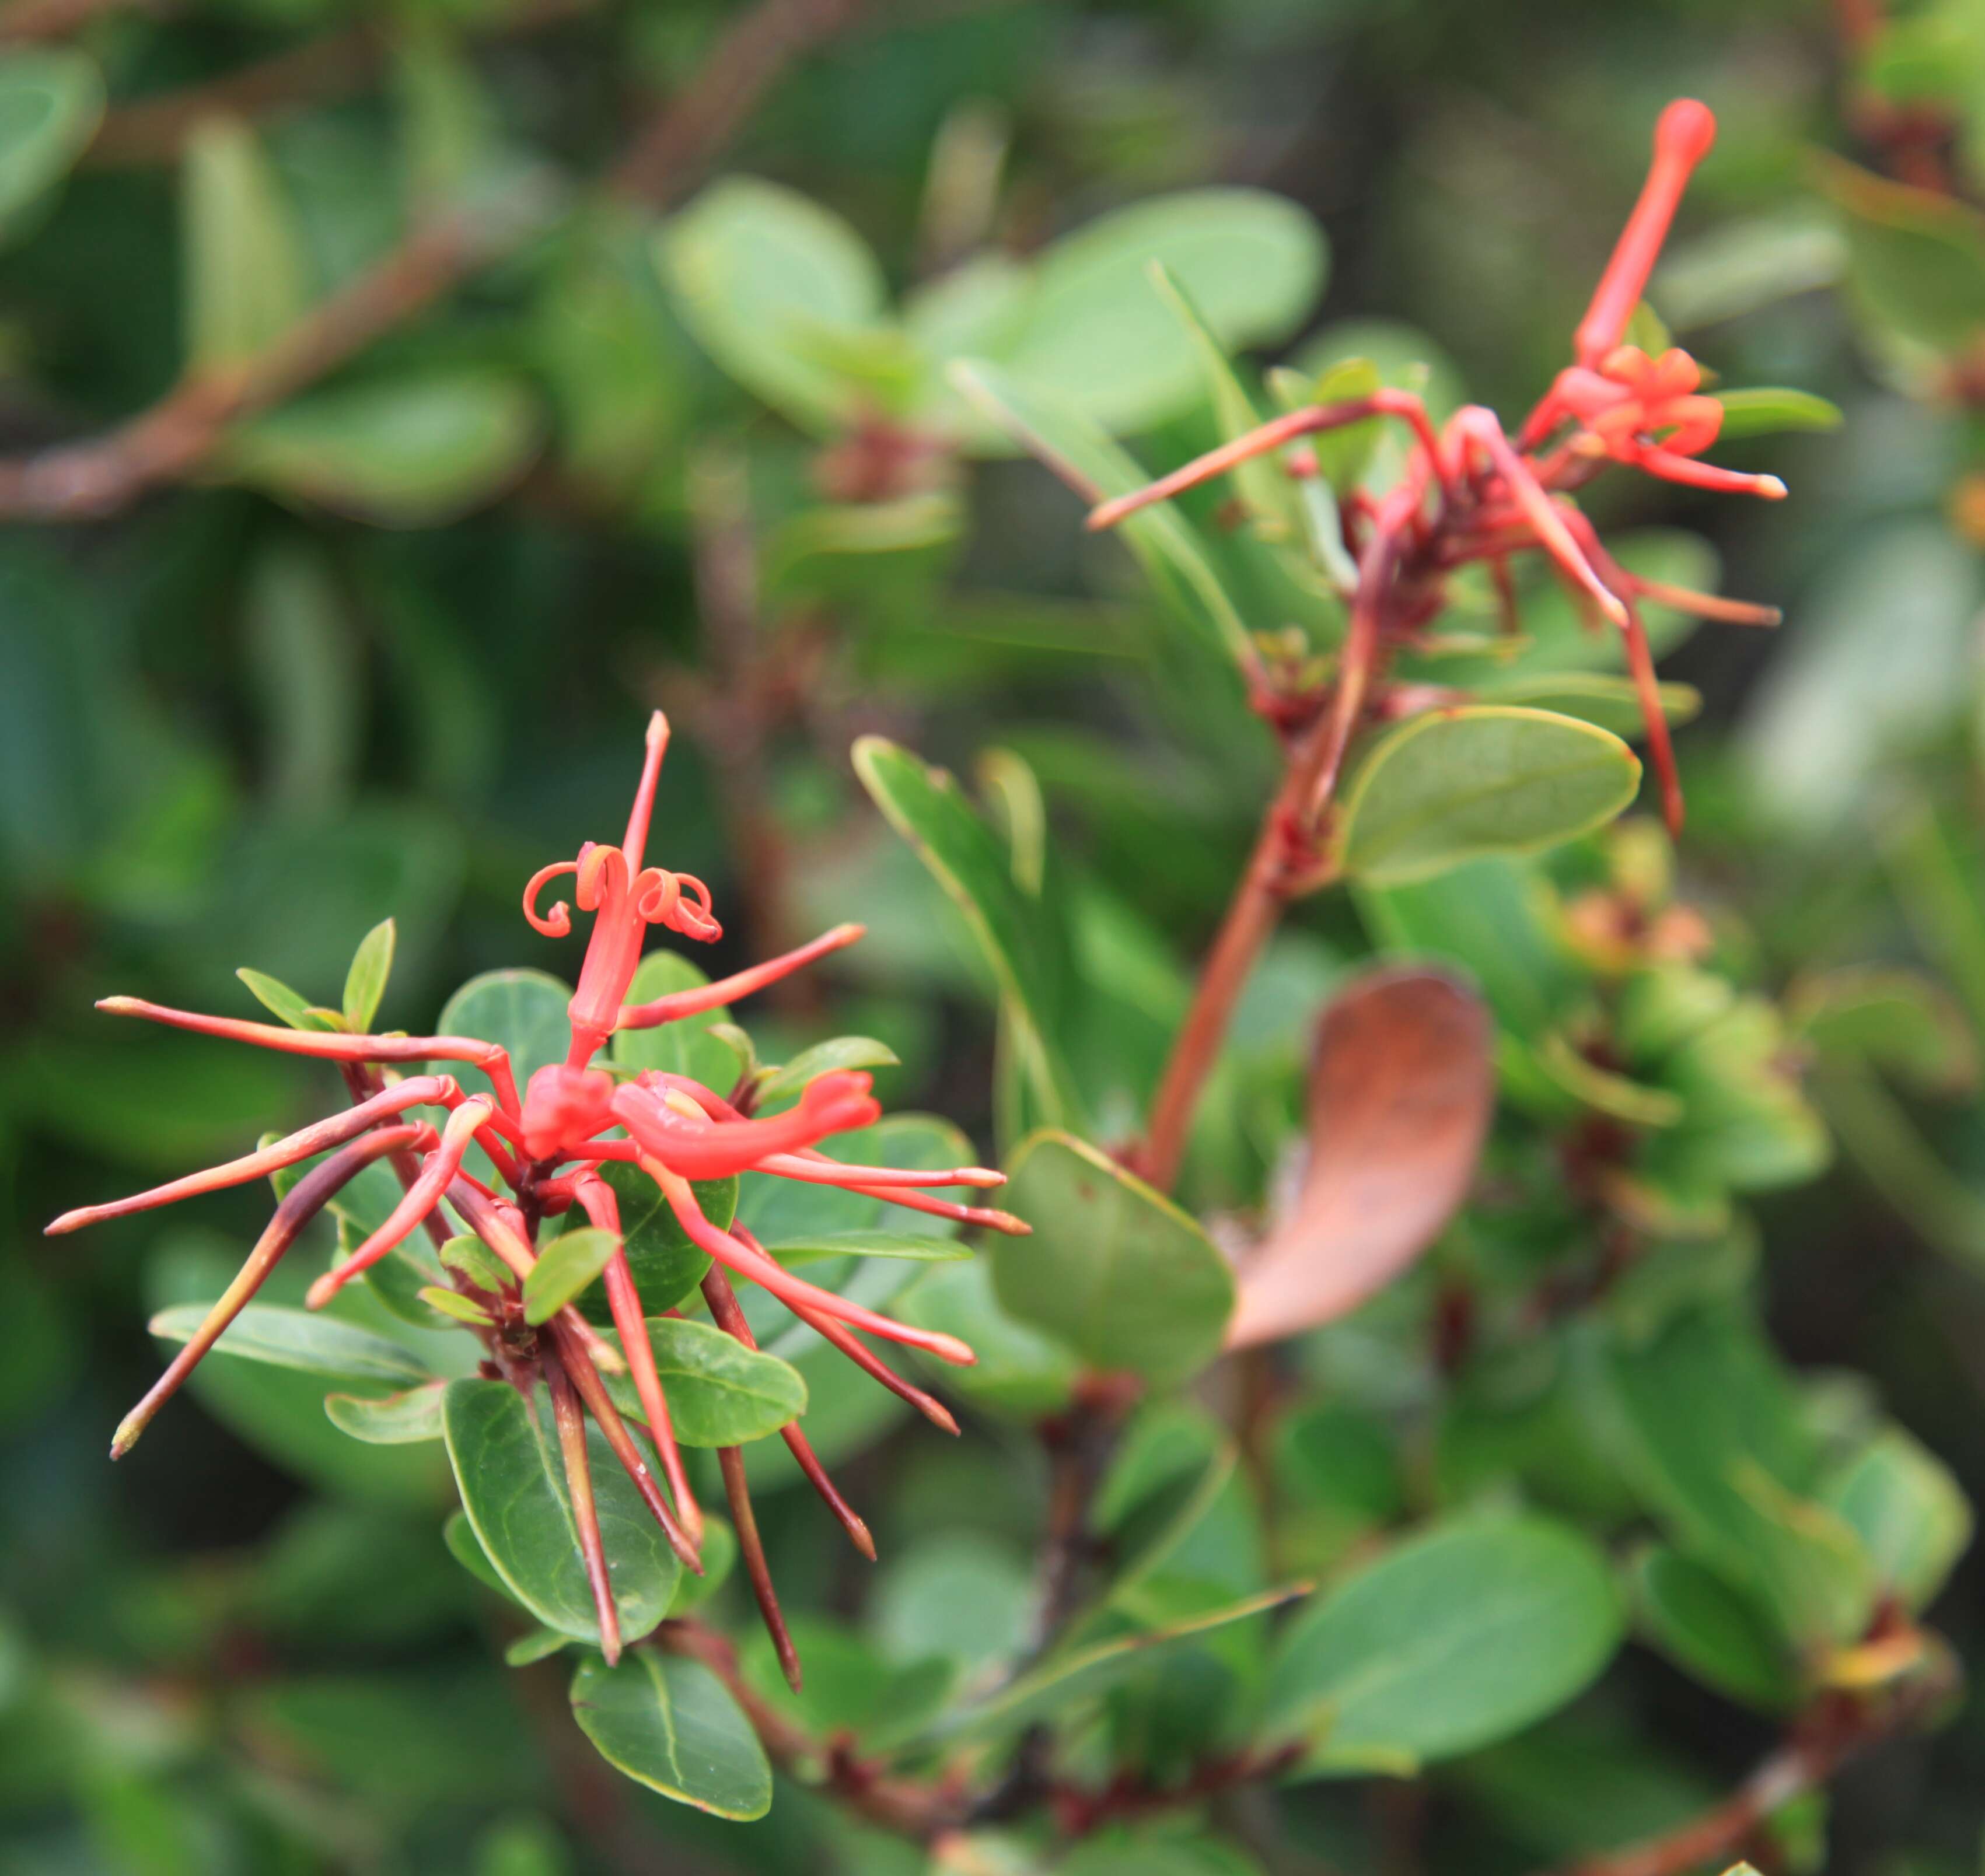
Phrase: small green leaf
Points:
(1459, 1637)
(719, 1392)
(284, 1003)
(564, 1267)
(1909, 1511)
(508, 1469)
(1714, 1629)
(539, 1645)
(1762, 411)
(1113, 1267)
(1453, 785)
(844, 1051)
(244, 269)
(1915, 259)
(927, 808)
(868, 1244)
(671, 1725)
(409, 452)
(297, 1338)
(365, 982)
(393, 1419)
(1895, 1019)
(51, 102)
(468, 1256)
(453, 1304)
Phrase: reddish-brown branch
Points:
(1834, 1732)
(22, 20)
(1281, 852)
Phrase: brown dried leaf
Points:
(1400, 1098)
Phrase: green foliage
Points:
(401, 439)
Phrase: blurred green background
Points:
(389, 650)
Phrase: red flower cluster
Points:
(547, 1149)
(1471, 494)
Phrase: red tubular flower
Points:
(574, 1117)
(1471, 493)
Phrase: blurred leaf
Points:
(1915, 258)
(1612, 704)
(300, 653)
(1460, 1637)
(243, 265)
(1113, 1267)
(1892, 1020)
(565, 1267)
(1714, 1629)
(1908, 1509)
(1020, 1372)
(670, 1724)
(508, 1468)
(1762, 412)
(719, 1392)
(1098, 336)
(758, 270)
(365, 983)
(926, 807)
(408, 453)
(395, 1420)
(295, 1338)
(1174, 559)
(1455, 784)
(1055, 1685)
(51, 102)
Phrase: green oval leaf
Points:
(565, 1267)
(1908, 1509)
(244, 265)
(408, 452)
(1099, 335)
(719, 1392)
(670, 1724)
(768, 281)
(51, 102)
(1461, 1636)
(1714, 1629)
(1113, 1267)
(297, 1338)
(1021, 1374)
(524, 1011)
(1454, 785)
(505, 1451)
(393, 1419)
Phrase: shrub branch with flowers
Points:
(1492, 1209)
